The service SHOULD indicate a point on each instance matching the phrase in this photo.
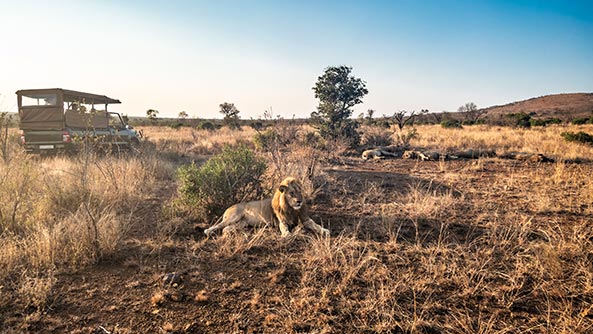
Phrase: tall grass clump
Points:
(291, 150)
(230, 177)
(373, 136)
(62, 213)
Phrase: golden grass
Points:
(60, 212)
(485, 246)
(545, 140)
(191, 141)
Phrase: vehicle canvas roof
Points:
(72, 95)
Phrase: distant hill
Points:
(562, 106)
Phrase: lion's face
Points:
(292, 195)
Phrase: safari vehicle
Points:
(54, 120)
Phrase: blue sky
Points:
(194, 55)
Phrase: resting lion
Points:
(381, 152)
(286, 209)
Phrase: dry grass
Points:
(458, 259)
(545, 140)
(66, 212)
(487, 246)
(194, 142)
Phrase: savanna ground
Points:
(465, 246)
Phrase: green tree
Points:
(152, 115)
(338, 91)
(183, 115)
(231, 115)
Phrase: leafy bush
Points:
(581, 121)
(544, 122)
(521, 119)
(451, 123)
(228, 178)
(176, 125)
(554, 121)
(206, 125)
(581, 137)
(257, 125)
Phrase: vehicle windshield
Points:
(115, 120)
(40, 100)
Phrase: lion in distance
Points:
(286, 209)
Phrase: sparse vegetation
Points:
(60, 213)
(402, 136)
(487, 246)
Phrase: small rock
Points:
(172, 279)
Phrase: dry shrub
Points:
(429, 202)
(288, 153)
(404, 137)
(336, 148)
(374, 136)
(542, 193)
(279, 135)
(58, 213)
(239, 242)
(336, 262)
(302, 163)
(35, 291)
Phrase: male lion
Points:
(286, 208)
